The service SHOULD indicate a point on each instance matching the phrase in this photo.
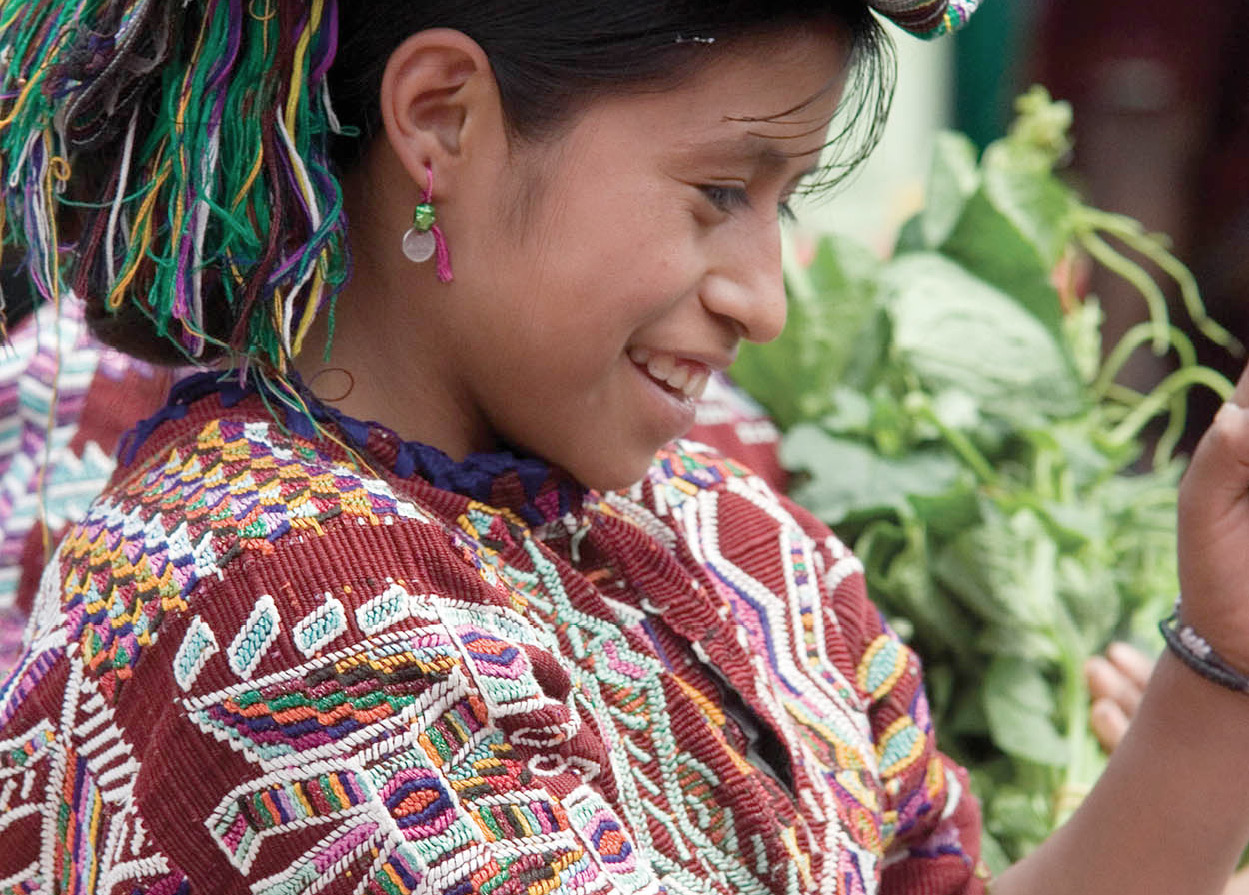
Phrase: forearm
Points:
(1171, 813)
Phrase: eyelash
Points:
(728, 199)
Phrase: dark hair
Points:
(204, 200)
(552, 57)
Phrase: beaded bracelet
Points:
(1199, 655)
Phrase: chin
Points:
(615, 474)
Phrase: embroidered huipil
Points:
(260, 665)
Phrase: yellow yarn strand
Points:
(142, 223)
(310, 309)
(301, 51)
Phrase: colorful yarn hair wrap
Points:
(927, 18)
(197, 136)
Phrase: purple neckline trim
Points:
(549, 492)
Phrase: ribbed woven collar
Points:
(532, 488)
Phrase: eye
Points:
(725, 199)
(728, 199)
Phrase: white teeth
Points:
(680, 378)
(698, 384)
(691, 381)
(662, 367)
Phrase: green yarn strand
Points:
(187, 143)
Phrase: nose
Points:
(744, 283)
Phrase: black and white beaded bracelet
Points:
(1199, 655)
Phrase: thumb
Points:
(1213, 533)
(1218, 474)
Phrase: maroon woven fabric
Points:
(261, 667)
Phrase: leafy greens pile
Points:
(949, 412)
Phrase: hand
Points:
(1116, 684)
(1214, 532)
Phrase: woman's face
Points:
(603, 276)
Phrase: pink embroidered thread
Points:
(442, 257)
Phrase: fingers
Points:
(1239, 884)
(1213, 529)
(1132, 663)
(1116, 684)
(1109, 682)
(1240, 396)
(1109, 723)
(1227, 439)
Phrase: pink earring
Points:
(424, 238)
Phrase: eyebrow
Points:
(758, 152)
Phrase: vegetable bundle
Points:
(949, 412)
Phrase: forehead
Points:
(769, 96)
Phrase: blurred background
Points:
(1161, 100)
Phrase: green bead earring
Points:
(419, 243)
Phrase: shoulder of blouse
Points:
(201, 496)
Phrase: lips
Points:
(686, 377)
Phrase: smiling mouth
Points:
(685, 378)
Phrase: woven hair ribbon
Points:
(927, 18)
(197, 132)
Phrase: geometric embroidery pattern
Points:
(328, 706)
(319, 628)
(239, 487)
(255, 637)
(20, 760)
(199, 644)
(441, 795)
(882, 665)
(547, 731)
(387, 609)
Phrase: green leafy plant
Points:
(949, 412)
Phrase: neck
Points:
(387, 362)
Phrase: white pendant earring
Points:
(419, 243)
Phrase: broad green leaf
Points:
(1019, 703)
(895, 560)
(953, 178)
(1019, 816)
(1004, 571)
(993, 246)
(948, 513)
(1089, 591)
(957, 332)
(851, 414)
(849, 478)
(1031, 198)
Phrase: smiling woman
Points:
(647, 246)
(292, 651)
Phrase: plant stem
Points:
(1133, 339)
(1130, 271)
(1157, 400)
(960, 443)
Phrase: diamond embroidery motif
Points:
(254, 638)
(317, 630)
(198, 646)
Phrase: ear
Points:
(438, 96)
